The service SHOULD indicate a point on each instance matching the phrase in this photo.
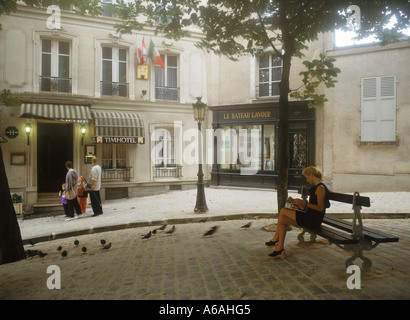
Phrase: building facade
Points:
(83, 93)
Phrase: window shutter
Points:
(369, 109)
(387, 110)
(378, 117)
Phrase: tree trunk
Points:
(11, 244)
(283, 135)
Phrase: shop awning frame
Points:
(58, 112)
(120, 126)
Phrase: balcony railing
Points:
(55, 84)
(117, 89)
(174, 171)
(167, 93)
(267, 90)
(116, 174)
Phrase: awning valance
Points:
(61, 112)
(118, 127)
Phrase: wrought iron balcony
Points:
(169, 171)
(116, 89)
(122, 174)
(55, 84)
(167, 93)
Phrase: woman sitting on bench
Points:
(301, 213)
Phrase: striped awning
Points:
(61, 112)
(118, 127)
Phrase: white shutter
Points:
(387, 111)
(378, 106)
(369, 109)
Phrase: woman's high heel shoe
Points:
(278, 254)
(271, 244)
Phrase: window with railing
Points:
(55, 66)
(165, 154)
(114, 72)
(114, 162)
(166, 79)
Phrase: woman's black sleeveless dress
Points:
(312, 218)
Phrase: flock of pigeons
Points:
(106, 246)
(32, 253)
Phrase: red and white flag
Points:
(141, 53)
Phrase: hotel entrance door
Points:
(54, 148)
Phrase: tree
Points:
(237, 27)
(11, 244)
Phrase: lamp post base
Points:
(200, 206)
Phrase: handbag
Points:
(70, 194)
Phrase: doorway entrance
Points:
(54, 148)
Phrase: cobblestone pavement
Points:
(231, 264)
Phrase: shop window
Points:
(166, 79)
(269, 147)
(241, 147)
(270, 74)
(55, 66)
(114, 72)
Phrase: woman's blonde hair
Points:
(313, 171)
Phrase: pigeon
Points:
(107, 246)
(42, 254)
(76, 242)
(154, 231)
(148, 235)
(32, 253)
(211, 231)
(59, 248)
(247, 226)
(102, 241)
(171, 231)
(84, 249)
(64, 254)
(162, 227)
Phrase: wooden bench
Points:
(349, 236)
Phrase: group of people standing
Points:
(75, 191)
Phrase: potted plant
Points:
(17, 203)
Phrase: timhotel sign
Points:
(120, 140)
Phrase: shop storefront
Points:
(246, 139)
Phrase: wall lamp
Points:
(27, 128)
(83, 131)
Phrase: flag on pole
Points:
(154, 54)
(141, 53)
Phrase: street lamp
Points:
(199, 115)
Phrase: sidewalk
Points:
(230, 265)
(177, 206)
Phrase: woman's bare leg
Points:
(286, 216)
